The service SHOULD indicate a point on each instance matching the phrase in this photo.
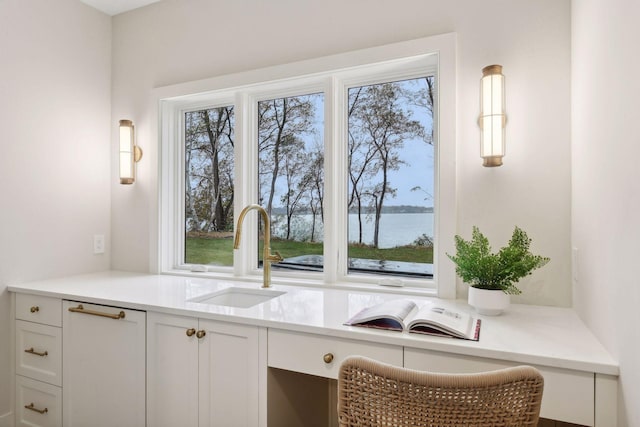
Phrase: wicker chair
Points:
(371, 393)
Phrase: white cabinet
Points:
(172, 371)
(568, 395)
(103, 366)
(302, 383)
(205, 373)
(38, 404)
(38, 358)
(322, 355)
(39, 352)
(39, 309)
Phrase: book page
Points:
(453, 322)
(387, 315)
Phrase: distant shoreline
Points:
(399, 209)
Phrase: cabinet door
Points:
(232, 375)
(568, 395)
(172, 371)
(103, 375)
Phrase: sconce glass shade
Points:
(492, 119)
(129, 153)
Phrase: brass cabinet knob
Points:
(35, 309)
(328, 358)
(201, 333)
(191, 332)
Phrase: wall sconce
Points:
(492, 116)
(130, 153)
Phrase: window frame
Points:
(332, 75)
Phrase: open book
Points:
(404, 315)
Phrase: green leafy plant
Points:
(480, 268)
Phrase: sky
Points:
(418, 158)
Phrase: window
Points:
(208, 186)
(291, 176)
(353, 163)
(391, 176)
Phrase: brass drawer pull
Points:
(191, 332)
(31, 407)
(81, 309)
(35, 309)
(328, 358)
(201, 333)
(37, 353)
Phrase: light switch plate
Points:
(98, 244)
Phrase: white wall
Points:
(56, 120)
(606, 182)
(178, 41)
(54, 147)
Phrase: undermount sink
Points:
(238, 297)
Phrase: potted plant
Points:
(493, 277)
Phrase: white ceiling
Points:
(114, 7)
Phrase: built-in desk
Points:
(305, 324)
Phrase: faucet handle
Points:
(276, 257)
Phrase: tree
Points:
(315, 178)
(191, 212)
(209, 189)
(361, 155)
(423, 98)
(281, 122)
(218, 126)
(294, 161)
(361, 170)
(379, 121)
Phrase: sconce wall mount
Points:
(493, 119)
(130, 153)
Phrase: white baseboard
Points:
(6, 420)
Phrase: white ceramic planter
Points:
(488, 301)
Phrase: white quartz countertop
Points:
(546, 336)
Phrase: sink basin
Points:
(238, 297)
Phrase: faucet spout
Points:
(267, 257)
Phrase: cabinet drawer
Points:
(39, 352)
(568, 395)
(305, 352)
(36, 308)
(37, 403)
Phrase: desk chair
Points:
(371, 394)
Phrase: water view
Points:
(396, 229)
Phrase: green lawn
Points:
(220, 251)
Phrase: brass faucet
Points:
(267, 256)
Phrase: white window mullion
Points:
(167, 238)
(445, 182)
(179, 181)
(335, 172)
(246, 183)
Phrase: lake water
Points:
(396, 229)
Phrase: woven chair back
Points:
(374, 394)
